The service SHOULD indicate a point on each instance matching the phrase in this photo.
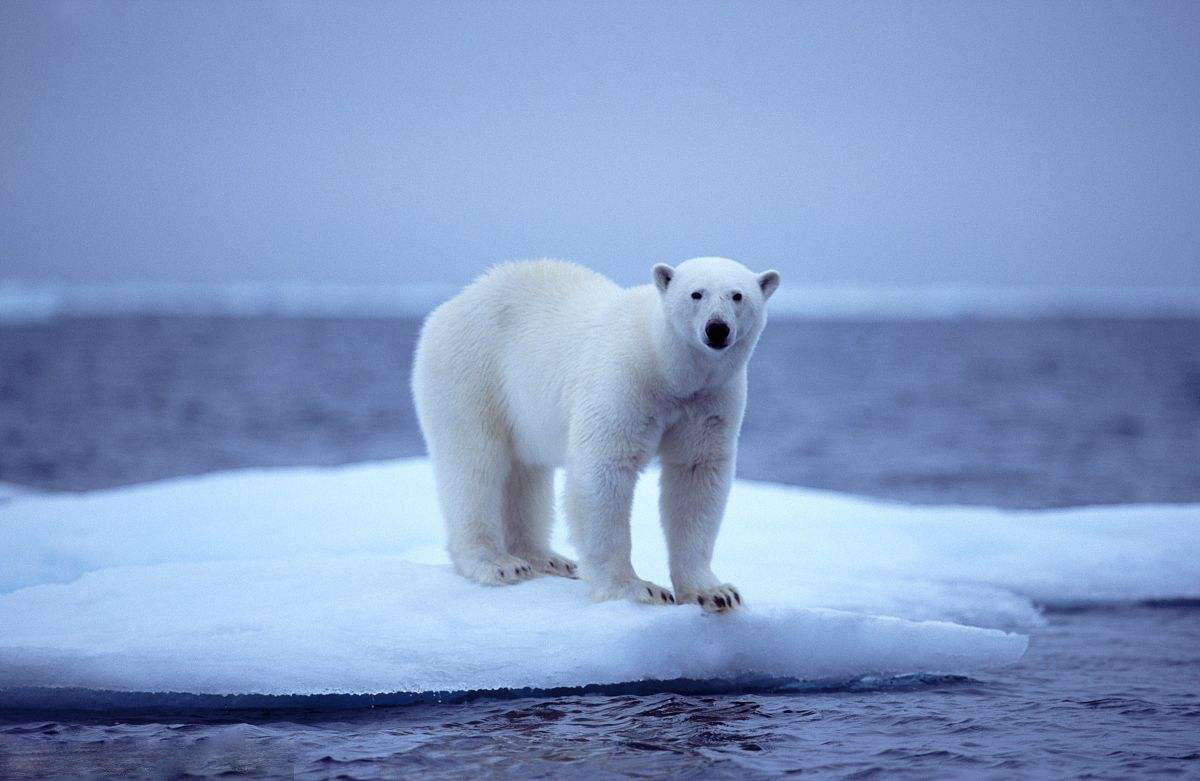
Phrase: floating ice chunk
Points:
(334, 580)
(379, 624)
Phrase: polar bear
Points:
(543, 364)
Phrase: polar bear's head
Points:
(715, 303)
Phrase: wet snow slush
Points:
(265, 621)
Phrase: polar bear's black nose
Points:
(716, 333)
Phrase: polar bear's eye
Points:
(737, 296)
(697, 295)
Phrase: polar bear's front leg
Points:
(692, 503)
(698, 455)
(599, 503)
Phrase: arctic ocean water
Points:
(1012, 413)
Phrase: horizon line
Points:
(39, 302)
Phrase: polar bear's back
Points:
(529, 303)
(523, 293)
(510, 347)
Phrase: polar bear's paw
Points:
(717, 599)
(553, 564)
(636, 590)
(495, 570)
(645, 591)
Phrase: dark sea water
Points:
(1021, 413)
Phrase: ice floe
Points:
(307, 581)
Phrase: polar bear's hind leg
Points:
(528, 518)
(470, 482)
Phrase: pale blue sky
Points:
(868, 144)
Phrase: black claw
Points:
(648, 591)
(664, 597)
(500, 572)
(701, 600)
(553, 565)
(720, 601)
(671, 598)
(738, 597)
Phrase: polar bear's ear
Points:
(662, 276)
(767, 282)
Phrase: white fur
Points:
(544, 364)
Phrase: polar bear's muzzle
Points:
(716, 334)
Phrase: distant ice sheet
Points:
(9, 490)
(334, 581)
(22, 302)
